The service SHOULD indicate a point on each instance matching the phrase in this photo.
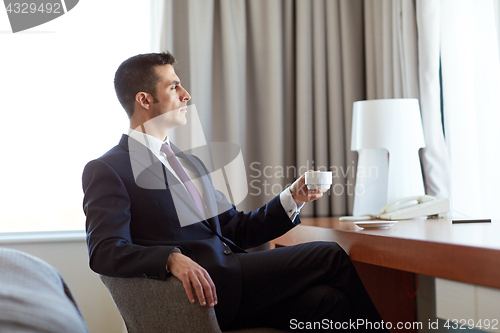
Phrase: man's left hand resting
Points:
(194, 276)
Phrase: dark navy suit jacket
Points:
(133, 225)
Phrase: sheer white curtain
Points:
(468, 50)
(434, 157)
(471, 87)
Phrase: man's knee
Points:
(329, 251)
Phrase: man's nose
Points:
(185, 96)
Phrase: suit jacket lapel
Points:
(149, 172)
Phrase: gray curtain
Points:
(279, 77)
(400, 65)
(391, 49)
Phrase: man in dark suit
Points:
(152, 211)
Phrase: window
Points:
(59, 108)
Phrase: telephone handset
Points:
(398, 204)
(408, 208)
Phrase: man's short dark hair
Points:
(138, 74)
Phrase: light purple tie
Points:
(179, 170)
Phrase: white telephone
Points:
(407, 208)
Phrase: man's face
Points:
(171, 98)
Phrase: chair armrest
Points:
(148, 305)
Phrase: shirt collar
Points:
(154, 144)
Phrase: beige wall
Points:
(70, 258)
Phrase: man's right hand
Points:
(192, 276)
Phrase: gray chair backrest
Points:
(148, 305)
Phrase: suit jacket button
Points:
(227, 251)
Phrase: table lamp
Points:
(387, 134)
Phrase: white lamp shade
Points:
(387, 133)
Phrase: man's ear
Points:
(144, 99)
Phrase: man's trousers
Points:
(310, 287)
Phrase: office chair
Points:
(148, 305)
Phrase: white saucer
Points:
(375, 224)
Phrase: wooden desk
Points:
(468, 253)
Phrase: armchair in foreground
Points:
(34, 297)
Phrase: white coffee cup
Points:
(318, 180)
